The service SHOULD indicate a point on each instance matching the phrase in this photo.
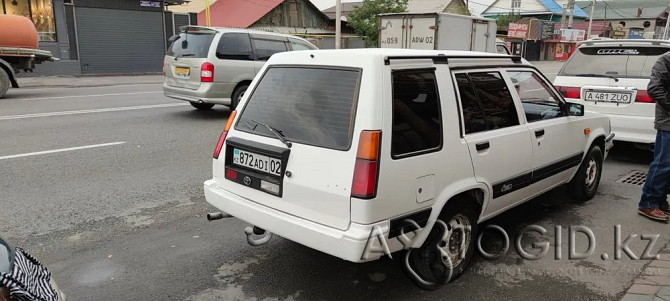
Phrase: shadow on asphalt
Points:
(190, 113)
(630, 153)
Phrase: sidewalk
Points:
(654, 283)
(87, 81)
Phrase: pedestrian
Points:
(653, 203)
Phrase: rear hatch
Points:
(312, 109)
(610, 79)
(185, 57)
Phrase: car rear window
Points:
(192, 44)
(314, 106)
(633, 62)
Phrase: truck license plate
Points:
(257, 162)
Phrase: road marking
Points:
(59, 150)
(36, 115)
(93, 95)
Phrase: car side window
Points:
(266, 48)
(537, 100)
(495, 99)
(298, 45)
(234, 46)
(417, 120)
(473, 113)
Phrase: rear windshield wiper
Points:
(275, 132)
(598, 75)
(183, 55)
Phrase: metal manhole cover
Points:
(634, 178)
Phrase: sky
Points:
(476, 6)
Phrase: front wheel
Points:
(585, 183)
(448, 249)
(202, 106)
(4, 82)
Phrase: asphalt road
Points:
(104, 185)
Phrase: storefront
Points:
(99, 36)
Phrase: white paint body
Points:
(317, 210)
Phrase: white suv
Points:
(611, 77)
(330, 147)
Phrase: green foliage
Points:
(504, 20)
(364, 19)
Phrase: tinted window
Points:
(191, 45)
(266, 48)
(495, 97)
(617, 61)
(417, 121)
(298, 45)
(473, 114)
(502, 49)
(314, 106)
(234, 46)
(539, 103)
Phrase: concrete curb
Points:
(87, 81)
(654, 282)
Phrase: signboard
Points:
(146, 3)
(620, 34)
(572, 35)
(636, 33)
(547, 30)
(517, 31)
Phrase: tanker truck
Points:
(18, 50)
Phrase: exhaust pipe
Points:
(217, 215)
(264, 236)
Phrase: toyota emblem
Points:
(247, 180)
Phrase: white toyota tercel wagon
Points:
(412, 148)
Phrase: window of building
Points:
(39, 11)
(538, 102)
(417, 120)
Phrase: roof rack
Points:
(615, 41)
(444, 59)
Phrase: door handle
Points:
(482, 146)
(539, 133)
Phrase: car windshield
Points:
(192, 44)
(631, 62)
(313, 106)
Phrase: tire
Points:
(584, 184)
(4, 82)
(237, 96)
(424, 260)
(202, 106)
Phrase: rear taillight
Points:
(570, 92)
(643, 96)
(366, 170)
(207, 72)
(222, 137)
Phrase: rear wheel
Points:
(585, 183)
(4, 82)
(237, 96)
(448, 249)
(202, 106)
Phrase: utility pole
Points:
(563, 20)
(571, 6)
(207, 19)
(338, 23)
(593, 6)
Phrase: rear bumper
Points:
(348, 244)
(637, 129)
(214, 93)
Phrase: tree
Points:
(504, 20)
(364, 19)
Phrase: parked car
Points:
(611, 77)
(501, 47)
(207, 66)
(330, 145)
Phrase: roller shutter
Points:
(119, 41)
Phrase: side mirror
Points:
(575, 109)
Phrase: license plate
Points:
(185, 71)
(257, 162)
(608, 97)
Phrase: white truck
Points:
(437, 31)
